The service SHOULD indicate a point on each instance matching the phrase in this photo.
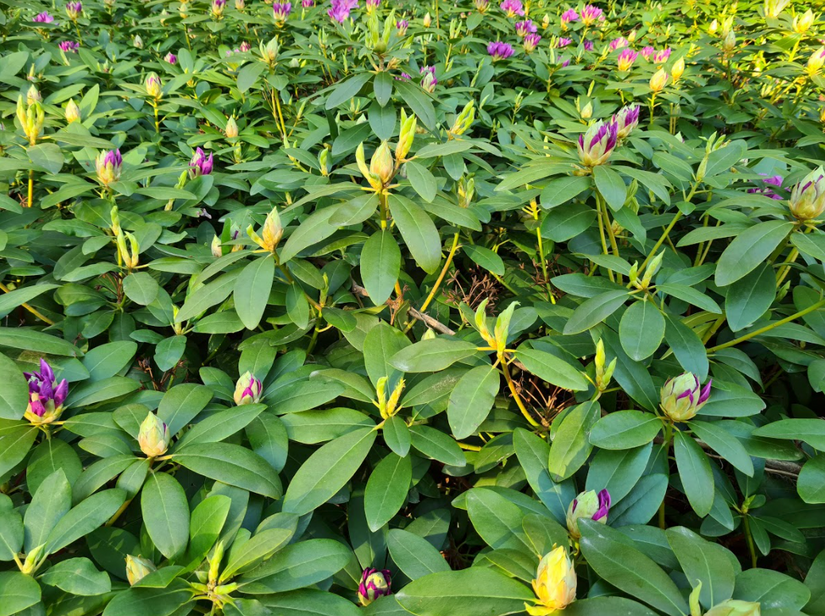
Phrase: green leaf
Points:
(723, 159)
(472, 399)
(169, 351)
(78, 576)
(470, 592)
(413, 95)
(695, 473)
(207, 296)
(432, 355)
(51, 502)
(347, 90)
(297, 306)
(625, 430)
(418, 231)
(249, 74)
(552, 369)
(14, 395)
(381, 344)
(387, 490)
(641, 330)
(231, 464)
(47, 156)
(422, 181)
(750, 297)
(611, 186)
(722, 443)
(16, 443)
(258, 548)
(772, 589)
(414, 555)
(252, 290)
(497, 520)
(11, 300)
(595, 310)
(617, 471)
(811, 481)
(19, 592)
(31, 340)
(380, 266)
(561, 190)
(486, 258)
(206, 523)
(703, 562)
(141, 288)
(811, 431)
(326, 471)
(629, 570)
(107, 360)
(165, 514)
(437, 445)
(298, 565)
(11, 534)
(308, 602)
(84, 518)
(749, 249)
(157, 602)
(571, 445)
(382, 86)
(181, 404)
(687, 347)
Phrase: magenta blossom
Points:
(512, 8)
(244, 47)
(403, 77)
(604, 505)
(499, 50)
(660, 57)
(307, 4)
(626, 120)
(201, 164)
(530, 42)
(563, 42)
(43, 18)
(281, 10)
(647, 52)
(626, 58)
(523, 28)
(401, 26)
(775, 180)
(69, 46)
(374, 584)
(597, 144)
(588, 45)
(619, 43)
(46, 395)
(371, 5)
(591, 14)
(339, 11)
(171, 58)
(73, 10)
(481, 5)
(568, 16)
(428, 81)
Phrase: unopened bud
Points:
(248, 390)
(72, 111)
(464, 120)
(231, 130)
(154, 436)
(406, 136)
(138, 568)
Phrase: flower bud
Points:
(138, 568)
(138, 42)
(323, 161)
(427, 21)
(231, 130)
(31, 118)
(215, 561)
(115, 217)
(382, 165)
(603, 373)
(271, 232)
(481, 324)
(713, 27)
(154, 436)
(659, 80)
(406, 136)
(802, 24)
(807, 201)
(626, 120)
(502, 329)
(555, 584)
(590, 506)
(33, 560)
(108, 166)
(683, 396)
(46, 395)
(733, 607)
(270, 51)
(816, 62)
(33, 95)
(374, 584)
(216, 248)
(153, 86)
(72, 111)
(729, 43)
(597, 144)
(773, 8)
(201, 164)
(464, 119)
(129, 255)
(248, 389)
(217, 8)
(391, 407)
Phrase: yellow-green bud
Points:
(481, 324)
(373, 179)
(464, 120)
(427, 21)
(587, 111)
(153, 85)
(381, 395)
(215, 561)
(382, 165)
(216, 248)
(138, 568)
(231, 130)
(589, 506)
(683, 396)
(729, 43)
(406, 136)
(732, 607)
(154, 436)
(72, 111)
(115, 216)
(271, 232)
(32, 562)
(33, 95)
(502, 330)
(392, 407)
(248, 389)
(807, 200)
(323, 161)
(603, 373)
(129, 256)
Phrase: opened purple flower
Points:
(563, 42)
(340, 10)
(523, 28)
(171, 58)
(568, 16)
(401, 26)
(69, 46)
(597, 144)
(201, 164)
(499, 50)
(591, 14)
(46, 395)
(619, 43)
(587, 505)
(775, 180)
(512, 8)
(43, 18)
(374, 584)
(73, 10)
(281, 10)
(530, 42)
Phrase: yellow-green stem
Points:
(516, 396)
(438, 282)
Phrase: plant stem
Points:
(769, 327)
(31, 188)
(31, 309)
(749, 537)
(609, 225)
(544, 266)
(602, 235)
(438, 282)
(516, 397)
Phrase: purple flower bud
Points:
(69, 46)
(403, 77)
(588, 45)
(627, 119)
(647, 52)
(244, 47)
(371, 5)
(374, 584)
(171, 58)
(340, 10)
(591, 14)
(530, 42)
(597, 144)
(307, 4)
(661, 56)
(683, 396)
(512, 7)
(587, 505)
(428, 81)
(625, 59)
(775, 180)
(401, 26)
(481, 5)
(108, 166)
(46, 395)
(201, 164)
(499, 50)
(523, 28)
(281, 10)
(618, 43)
(73, 10)
(563, 42)
(43, 18)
